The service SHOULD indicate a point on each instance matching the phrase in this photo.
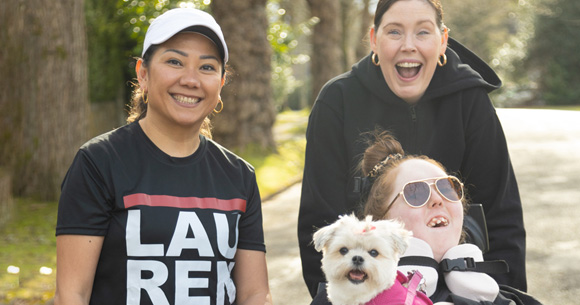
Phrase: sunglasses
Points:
(417, 193)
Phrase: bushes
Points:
(554, 52)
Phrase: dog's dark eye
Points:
(374, 253)
(343, 250)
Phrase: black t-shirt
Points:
(171, 225)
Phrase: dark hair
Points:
(384, 5)
(138, 107)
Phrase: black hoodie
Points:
(454, 123)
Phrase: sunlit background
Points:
(532, 44)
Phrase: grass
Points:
(572, 107)
(27, 241)
(276, 171)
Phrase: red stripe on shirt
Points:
(184, 202)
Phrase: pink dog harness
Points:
(403, 292)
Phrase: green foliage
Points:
(284, 39)
(499, 32)
(116, 30)
(483, 26)
(508, 59)
(554, 52)
(108, 58)
(560, 83)
(137, 15)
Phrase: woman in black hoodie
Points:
(431, 93)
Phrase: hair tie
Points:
(377, 169)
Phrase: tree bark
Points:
(6, 200)
(363, 47)
(326, 58)
(248, 114)
(43, 92)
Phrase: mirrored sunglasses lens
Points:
(450, 188)
(417, 193)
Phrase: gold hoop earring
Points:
(146, 99)
(375, 59)
(221, 108)
(441, 64)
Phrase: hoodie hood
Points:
(463, 70)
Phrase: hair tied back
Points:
(377, 169)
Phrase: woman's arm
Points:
(250, 275)
(76, 263)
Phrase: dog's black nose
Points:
(358, 260)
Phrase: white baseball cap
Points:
(193, 20)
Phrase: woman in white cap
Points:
(155, 212)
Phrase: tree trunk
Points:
(43, 92)
(349, 15)
(363, 46)
(326, 60)
(248, 114)
(6, 201)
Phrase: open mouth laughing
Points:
(408, 69)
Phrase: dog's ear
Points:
(396, 231)
(401, 238)
(323, 236)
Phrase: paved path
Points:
(545, 151)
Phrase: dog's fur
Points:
(360, 257)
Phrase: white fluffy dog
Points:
(360, 257)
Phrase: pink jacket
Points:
(403, 292)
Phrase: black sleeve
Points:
(321, 298)
(324, 194)
(251, 236)
(490, 180)
(85, 202)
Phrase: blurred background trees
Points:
(43, 93)
(282, 52)
(248, 114)
(326, 57)
(553, 54)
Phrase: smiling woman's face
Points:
(408, 43)
(440, 221)
(183, 81)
